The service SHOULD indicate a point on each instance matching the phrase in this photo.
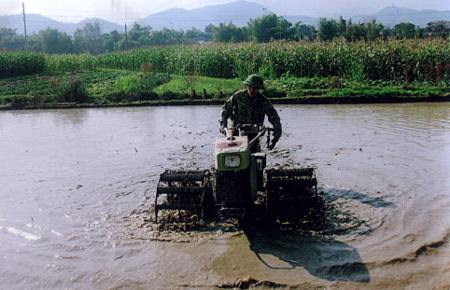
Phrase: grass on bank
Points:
(109, 87)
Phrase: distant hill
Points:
(105, 26)
(239, 13)
(392, 15)
(37, 22)
(303, 19)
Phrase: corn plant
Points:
(13, 64)
(409, 60)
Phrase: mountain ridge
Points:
(238, 12)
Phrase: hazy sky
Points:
(122, 11)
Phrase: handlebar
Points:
(230, 132)
(260, 134)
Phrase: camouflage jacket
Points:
(242, 109)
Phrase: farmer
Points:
(250, 107)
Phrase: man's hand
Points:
(272, 144)
(221, 129)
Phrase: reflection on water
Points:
(76, 183)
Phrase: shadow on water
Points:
(312, 244)
(324, 258)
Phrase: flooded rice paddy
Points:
(77, 188)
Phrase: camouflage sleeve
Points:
(274, 119)
(227, 110)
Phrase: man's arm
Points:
(227, 110)
(274, 119)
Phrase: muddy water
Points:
(76, 187)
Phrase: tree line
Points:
(90, 38)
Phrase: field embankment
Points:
(296, 72)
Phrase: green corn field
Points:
(14, 64)
(414, 59)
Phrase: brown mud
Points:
(78, 188)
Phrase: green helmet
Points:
(255, 81)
